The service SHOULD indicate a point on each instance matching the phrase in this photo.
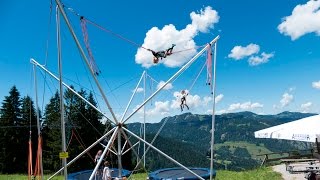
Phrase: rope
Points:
(93, 64)
(70, 140)
(48, 35)
(120, 36)
(114, 96)
(116, 34)
(80, 142)
(209, 67)
(197, 76)
(183, 50)
(154, 138)
(39, 150)
(121, 85)
(30, 170)
(92, 90)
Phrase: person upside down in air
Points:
(161, 54)
(184, 94)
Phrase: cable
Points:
(118, 35)
(48, 35)
(197, 77)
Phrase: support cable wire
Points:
(154, 138)
(114, 96)
(82, 153)
(196, 78)
(93, 91)
(120, 36)
(48, 35)
(80, 142)
(52, 75)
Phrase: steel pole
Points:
(86, 59)
(83, 152)
(164, 154)
(63, 131)
(213, 109)
(183, 68)
(33, 61)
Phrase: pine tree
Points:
(52, 134)
(76, 111)
(95, 127)
(29, 120)
(10, 142)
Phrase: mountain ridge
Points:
(193, 130)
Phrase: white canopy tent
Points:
(306, 129)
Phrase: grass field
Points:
(261, 174)
(253, 149)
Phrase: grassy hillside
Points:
(235, 144)
(253, 149)
(260, 173)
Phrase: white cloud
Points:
(139, 90)
(239, 52)
(244, 106)
(193, 101)
(160, 108)
(207, 100)
(257, 60)
(223, 111)
(167, 87)
(286, 99)
(316, 85)
(219, 98)
(161, 39)
(304, 19)
(205, 19)
(306, 107)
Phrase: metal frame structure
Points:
(119, 128)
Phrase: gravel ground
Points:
(286, 175)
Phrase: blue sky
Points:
(267, 55)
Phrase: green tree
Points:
(52, 134)
(29, 120)
(10, 146)
(79, 126)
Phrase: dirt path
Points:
(286, 175)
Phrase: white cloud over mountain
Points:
(159, 39)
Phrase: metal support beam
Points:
(133, 94)
(63, 123)
(213, 109)
(33, 61)
(183, 68)
(85, 58)
(104, 152)
(163, 154)
(85, 151)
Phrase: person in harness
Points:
(161, 54)
(184, 94)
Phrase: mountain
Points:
(235, 144)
